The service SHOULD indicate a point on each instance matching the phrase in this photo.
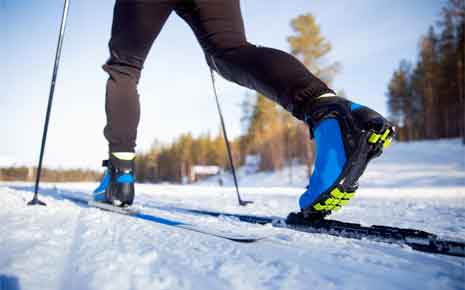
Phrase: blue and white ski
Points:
(140, 214)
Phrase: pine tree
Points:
(448, 84)
(310, 47)
(264, 125)
(272, 132)
(429, 102)
(425, 79)
(453, 23)
(399, 92)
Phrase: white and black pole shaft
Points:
(228, 147)
(35, 200)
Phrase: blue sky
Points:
(369, 38)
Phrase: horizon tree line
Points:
(427, 99)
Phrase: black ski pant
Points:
(219, 28)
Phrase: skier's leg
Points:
(136, 24)
(278, 75)
(347, 135)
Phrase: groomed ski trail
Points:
(109, 251)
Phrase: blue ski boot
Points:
(117, 185)
(347, 136)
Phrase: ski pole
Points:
(35, 200)
(231, 163)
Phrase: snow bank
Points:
(404, 164)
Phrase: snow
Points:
(6, 161)
(65, 246)
(421, 163)
(203, 169)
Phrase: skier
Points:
(347, 135)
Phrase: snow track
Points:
(71, 247)
(67, 246)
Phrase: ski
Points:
(416, 239)
(140, 214)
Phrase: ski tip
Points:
(245, 240)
